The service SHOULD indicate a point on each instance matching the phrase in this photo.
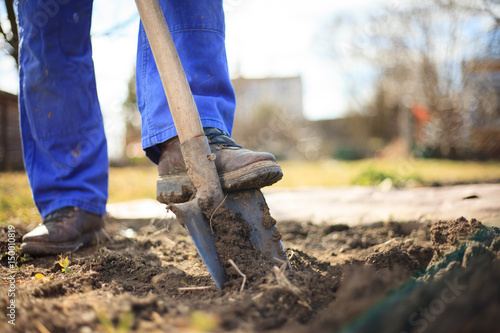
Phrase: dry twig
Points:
(285, 284)
(243, 275)
(211, 216)
(107, 236)
(195, 288)
(41, 328)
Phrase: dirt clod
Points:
(392, 259)
(445, 234)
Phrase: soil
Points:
(383, 277)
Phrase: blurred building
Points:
(281, 92)
(11, 156)
(269, 116)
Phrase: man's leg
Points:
(198, 31)
(64, 144)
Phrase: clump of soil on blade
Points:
(386, 277)
(233, 243)
(268, 221)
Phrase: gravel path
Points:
(358, 205)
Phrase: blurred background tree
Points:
(9, 41)
(425, 56)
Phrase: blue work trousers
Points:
(64, 144)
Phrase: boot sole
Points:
(45, 249)
(178, 188)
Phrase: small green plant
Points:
(22, 259)
(374, 177)
(64, 263)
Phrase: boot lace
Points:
(219, 137)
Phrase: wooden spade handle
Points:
(179, 96)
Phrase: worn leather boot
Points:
(238, 168)
(64, 230)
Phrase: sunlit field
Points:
(129, 183)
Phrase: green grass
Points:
(129, 183)
(344, 173)
(16, 203)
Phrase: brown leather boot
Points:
(238, 168)
(64, 230)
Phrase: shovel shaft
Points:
(199, 161)
(180, 100)
(194, 144)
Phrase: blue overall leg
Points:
(64, 144)
(198, 31)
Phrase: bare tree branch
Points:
(13, 39)
(421, 51)
(3, 32)
(485, 8)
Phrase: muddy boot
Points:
(64, 230)
(238, 168)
